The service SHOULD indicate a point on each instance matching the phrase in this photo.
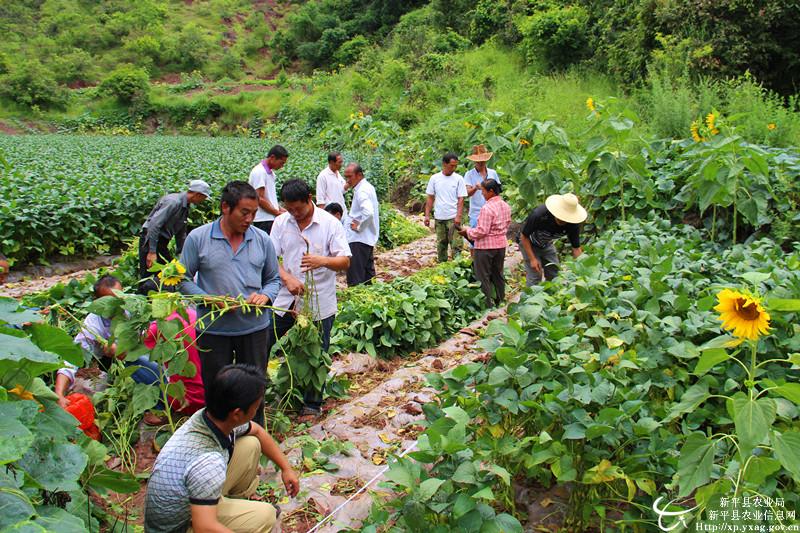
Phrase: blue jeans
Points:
(149, 373)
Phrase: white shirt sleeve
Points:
(462, 188)
(431, 188)
(322, 191)
(338, 245)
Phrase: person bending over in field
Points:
(560, 215)
(206, 471)
(335, 210)
(231, 258)
(165, 221)
(309, 240)
(94, 337)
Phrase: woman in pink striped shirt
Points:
(489, 238)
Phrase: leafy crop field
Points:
(80, 195)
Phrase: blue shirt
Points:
(476, 201)
(221, 272)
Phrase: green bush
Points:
(558, 36)
(30, 84)
(350, 51)
(127, 84)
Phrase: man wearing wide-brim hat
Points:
(560, 215)
(473, 179)
(167, 220)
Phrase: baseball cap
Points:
(201, 187)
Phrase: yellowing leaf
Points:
(614, 342)
(391, 413)
(21, 392)
(378, 459)
(325, 487)
(546, 502)
(384, 438)
(497, 431)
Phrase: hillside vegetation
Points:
(227, 66)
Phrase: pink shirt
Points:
(194, 399)
(493, 222)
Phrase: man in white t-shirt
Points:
(308, 239)
(362, 226)
(446, 192)
(262, 178)
(331, 184)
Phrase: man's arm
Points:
(337, 264)
(156, 222)
(292, 284)
(367, 210)
(273, 452)
(525, 242)
(459, 210)
(481, 229)
(428, 205)
(190, 258)
(265, 204)
(204, 519)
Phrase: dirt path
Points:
(39, 278)
(382, 421)
(401, 261)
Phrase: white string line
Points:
(362, 489)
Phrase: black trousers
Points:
(265, 225)
(488, 266)
(362, 264)
(163, 256)
(216, 351)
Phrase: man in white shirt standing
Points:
(330, 184)
(308, 239)
(446, 192)
(362, 226)
(262, 178)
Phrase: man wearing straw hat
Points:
(473, 179)
(560, 215)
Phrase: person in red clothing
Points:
(489, 238)
(194, 398)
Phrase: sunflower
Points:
(742, 314)
(590, 104)
(172, 273)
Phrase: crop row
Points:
(80, 195)
(615, 381)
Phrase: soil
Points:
(38, 278)
(9, 129)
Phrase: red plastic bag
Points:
(82, 408)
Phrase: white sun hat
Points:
(566, 207)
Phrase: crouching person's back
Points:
(206, 471)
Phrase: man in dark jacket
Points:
(165, 221)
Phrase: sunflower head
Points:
(172, 273)
(742, 314)
(590, 104)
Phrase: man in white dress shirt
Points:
(331, 184)
(262, 178)
(309, 239)
(362, 226)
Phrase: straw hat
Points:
(566, 207)
(479, 153)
